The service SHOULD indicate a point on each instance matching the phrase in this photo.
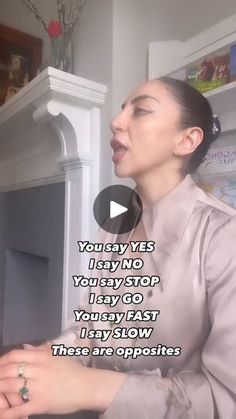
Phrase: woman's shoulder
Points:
(219, 219)
(217, 207)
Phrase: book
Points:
(233, 62)
(209, 74)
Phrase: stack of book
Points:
(210, 73)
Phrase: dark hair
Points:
(196, 112)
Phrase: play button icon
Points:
(117, 209)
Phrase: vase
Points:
(59, 57)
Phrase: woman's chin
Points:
(122, 171)
(121, 175)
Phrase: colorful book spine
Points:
(233, 63)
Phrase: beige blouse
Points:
(194, 256)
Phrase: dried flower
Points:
(31, 6)
(60, 29)
(54, 29)
(69, 14)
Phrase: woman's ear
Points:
(187, 141)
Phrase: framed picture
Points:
(20, 58)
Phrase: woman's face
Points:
(145, 131)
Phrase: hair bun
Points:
(216, 128)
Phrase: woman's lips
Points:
(119, 150)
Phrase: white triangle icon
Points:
(116, 209)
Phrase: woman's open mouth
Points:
(119, 150)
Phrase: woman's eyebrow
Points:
(137, 98)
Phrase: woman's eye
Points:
(140, 111)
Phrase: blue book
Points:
(233, 63)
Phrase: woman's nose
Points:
(119, 122)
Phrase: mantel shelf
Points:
(52, 84)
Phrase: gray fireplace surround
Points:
(31, 263)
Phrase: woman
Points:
(160, 136)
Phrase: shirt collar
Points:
(165, 222)
(169, 215)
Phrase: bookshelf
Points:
(172, 58)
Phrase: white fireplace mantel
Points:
(50, 95)
(50, 132)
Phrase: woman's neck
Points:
(153, 186)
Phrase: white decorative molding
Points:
(56, 83)
(77, 161)
(59, 178)
(50, 132)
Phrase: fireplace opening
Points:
(31, 264)
(26, 299)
